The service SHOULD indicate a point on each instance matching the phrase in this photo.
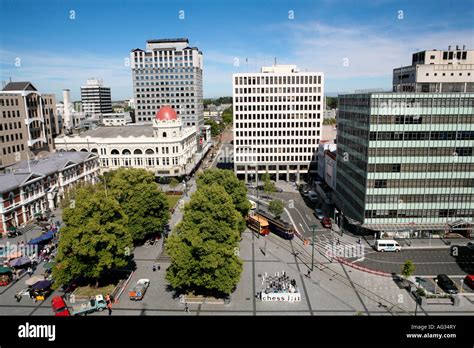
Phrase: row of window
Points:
(278, 98)
(419, 183)
(278, 90)
(422, 198)
(251, 159)
(10, 126)
(279, 133)
(262, 150)
(402, 103)
(279, 116)
(420, 151)
(423, 135)
(425, 119)
(11, 113)
(277, 107)
(279, 125)
(277, 80)
(420, 167)
(12, 149)
(11, 137)
(418, 213)
(267, 141)
(166, 65)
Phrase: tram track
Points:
(305, 257)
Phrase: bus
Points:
(258, 224)
(281, 228)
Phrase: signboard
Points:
(281, 297)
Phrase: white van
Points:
(253, 205)
(387, 245)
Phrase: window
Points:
(380, 183)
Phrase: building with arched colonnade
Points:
(166, 147)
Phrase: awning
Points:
(404, 227)
(21, 261)
(42, 285)
(5, 270)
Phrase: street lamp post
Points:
(416, 306)
(436, 286)
(313, 227)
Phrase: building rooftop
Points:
(117, 131)
(180, 39)
(20, 173)
(19, 86)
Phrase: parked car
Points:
(326, 222)
(469, 281)
(312, 196)
(470, 245)
(59, 307)
(95, 304)
(319, 213)
(445, 283)
(139, 290)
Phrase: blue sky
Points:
(39, 41)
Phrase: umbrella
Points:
(49, 265)
(42, 285)
(47, 235)
(21, 261)
(33, 280)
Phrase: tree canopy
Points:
(141, 199)
(276, 207)
(95, 238)
(232, 185)
(202, 249)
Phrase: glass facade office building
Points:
(405, 163)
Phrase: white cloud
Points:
(370, 51)
(51, 73)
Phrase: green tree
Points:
(216, 128)
(227, 116)
(268, 185)
(276, 207)
(232, 185)
(94, 240)
(173, 183)
(329, 121)
(331, 102)
(408, 268)
(202, 249)
(141, 199)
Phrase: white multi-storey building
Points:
(277, 122)
(168, 72)
(437, 71)
(96, 98)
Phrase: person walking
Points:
(308, 275)
(30, 271)
(109, 307)
(186, 308)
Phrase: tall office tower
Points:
(437, 71)
(277, 122)
(96, 98)
(28, 123)
(168, 72)
(405, 163)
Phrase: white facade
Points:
(70, 118)
(166, 147)
(437, 71)
(96, 99)
(116, 119)
(277, 121)
(322, 148)
(168, 72)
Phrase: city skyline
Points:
(356, 48)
